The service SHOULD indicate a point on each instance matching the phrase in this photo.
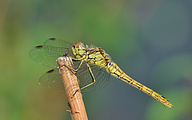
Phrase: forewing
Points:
(60, 44)
(52, 79)
(48, 53)
(85, 78)
(57, 42)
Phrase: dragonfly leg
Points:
(75, 93)
(80, 59)
(93, 78)
(74, 69)
(77, 58)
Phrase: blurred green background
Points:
(150, 40)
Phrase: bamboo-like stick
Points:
(72, 89)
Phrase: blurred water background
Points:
(150, 40)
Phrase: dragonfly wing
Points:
(48, 53)
(85, 78)
(52, 79)
(57, 43)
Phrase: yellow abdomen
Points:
(115, 71)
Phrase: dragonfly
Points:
(92, 64)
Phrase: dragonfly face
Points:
(78, 50)
(92, 65)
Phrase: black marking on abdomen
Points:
(116, 74)
(128, 81)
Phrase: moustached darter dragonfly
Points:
(92, 64)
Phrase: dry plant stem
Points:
(77, 108)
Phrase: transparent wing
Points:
(57, 43)
(52, 79)
(85, 78)
(48, 53)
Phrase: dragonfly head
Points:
(79, 45)
(78, 50)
